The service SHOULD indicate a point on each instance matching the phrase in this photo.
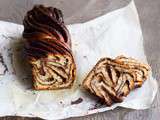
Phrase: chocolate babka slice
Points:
(113, 79)
(48, 48)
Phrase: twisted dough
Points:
(113, 79)
(48, 48)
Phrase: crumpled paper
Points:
(113, 34)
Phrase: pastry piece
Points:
(113, 79)
(48, 48)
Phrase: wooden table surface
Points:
(83, 10)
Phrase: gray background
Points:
(83, 10)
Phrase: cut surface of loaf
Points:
(48, 48)
(113, 79)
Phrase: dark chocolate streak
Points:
(78, 101)
(4, 64)
(45, 32)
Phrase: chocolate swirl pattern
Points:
(113, 79)
(48, 48)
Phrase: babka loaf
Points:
(48, 48)
(113, 79)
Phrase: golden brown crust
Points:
(113, 79)
(48, 48)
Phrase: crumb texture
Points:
(113, 79)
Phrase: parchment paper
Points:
(113, 34)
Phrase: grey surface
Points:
(83, 10)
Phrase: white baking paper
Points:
(113, 34)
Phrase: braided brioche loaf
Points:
(113, 79)
(48, 48)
